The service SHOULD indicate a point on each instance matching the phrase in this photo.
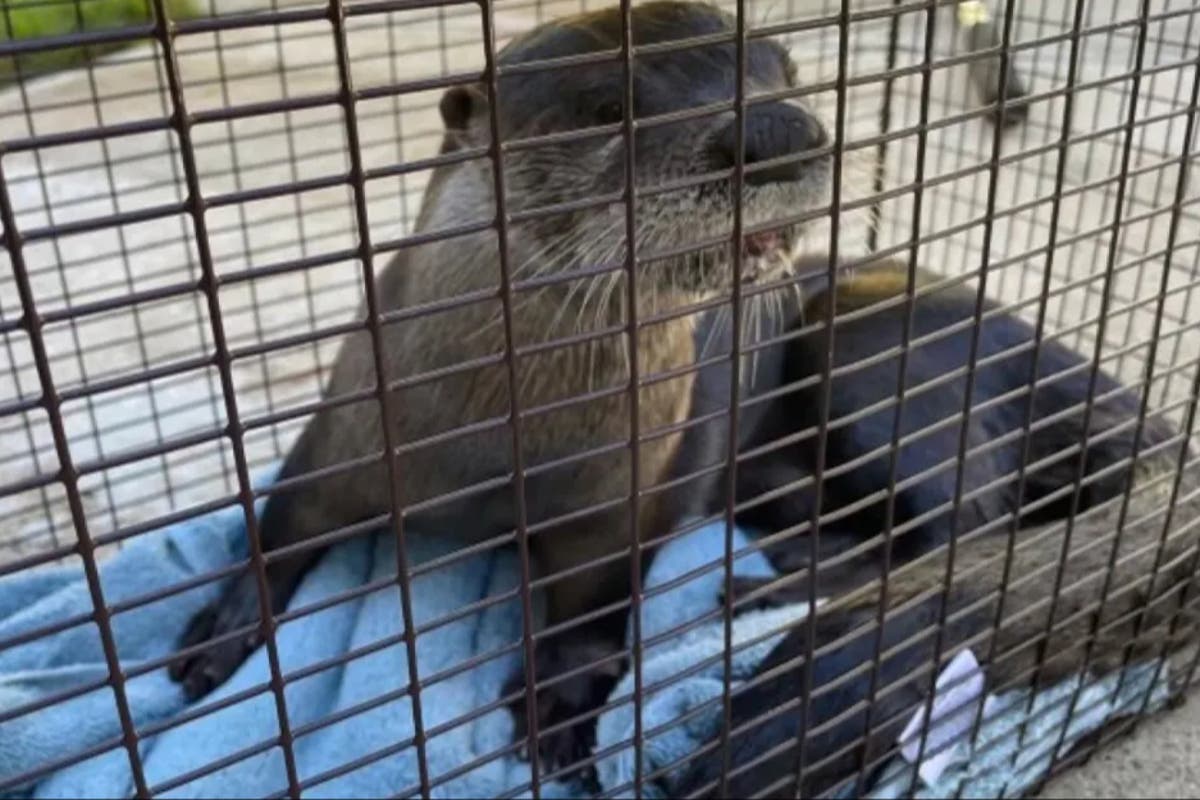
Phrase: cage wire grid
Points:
(188, 223)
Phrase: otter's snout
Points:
(773, 130)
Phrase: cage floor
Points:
(111, 353)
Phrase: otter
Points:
(864, 378)
(1143, 612)
(444, 368)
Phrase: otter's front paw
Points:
(203, 671)
(564, 699)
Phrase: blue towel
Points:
(50, 666)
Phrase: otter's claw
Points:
(203, 671)
(564, 700)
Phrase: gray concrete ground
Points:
(68, 183)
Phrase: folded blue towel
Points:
(48, 667)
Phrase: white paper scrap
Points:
(955, 703)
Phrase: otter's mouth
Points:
(765, 254)
(768, 243)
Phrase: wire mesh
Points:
(196, 221)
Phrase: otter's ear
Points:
(459, 105)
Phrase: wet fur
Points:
(766, 716)
(429, 399)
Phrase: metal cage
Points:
(191, 218)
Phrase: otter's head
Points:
(683, 167)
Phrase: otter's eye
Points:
(610, 113)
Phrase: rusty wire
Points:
(53, 386)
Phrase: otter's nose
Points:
(773, 130)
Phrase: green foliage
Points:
(40, 19)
